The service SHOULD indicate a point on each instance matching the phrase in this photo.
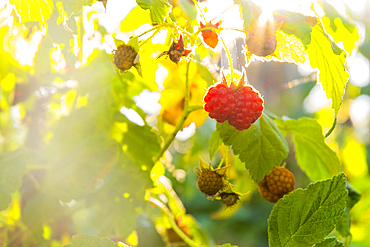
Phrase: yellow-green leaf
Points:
(332, 73)
(342, 29)
(159, 9)
(74, 6)
(314, 156)
(33, 10)
(135, 19)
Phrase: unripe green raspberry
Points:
(229, 199)
(209, 182)
(124, 57)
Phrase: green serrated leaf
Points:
(74, 6)
(261, 147)
(313, 155)
(84, 240)
(330, 242)
(226, 245)
(306, 216)
(333, 75)
(214, 143)
(137, 17)
(297, 24)
(159, 9)
(344, 224)
(33, 10)
(13, 168)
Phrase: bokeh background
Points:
(42, 102)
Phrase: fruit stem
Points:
(174, 226)
(151, 36)
(229, 57)
(187, 88)
(201, 11)
(187, 110)
(156, 27)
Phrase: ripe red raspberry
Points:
(240, 104)
(277, 184)
(229, 199)
(124, 57)
(262, 39)
(210, 37)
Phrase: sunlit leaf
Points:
(137, 17)
(13, 168)
(261, 147)
(313, 155)
(33, 10)
(296, 23)
(306, 216)
(75, 6)
(289, 49)
(332, 73)
(339, 28)
(159, 9)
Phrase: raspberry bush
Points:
(165, 123)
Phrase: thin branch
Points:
(174, 226)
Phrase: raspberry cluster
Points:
(124, 57)
(210, 182)
(277, 184)
(241, 105)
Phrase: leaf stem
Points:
(155, 28)
(187, 110)
(174, 226)
(200, 10)
(229, 57)
(151, 36)
(332, 127)
(187, 88)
